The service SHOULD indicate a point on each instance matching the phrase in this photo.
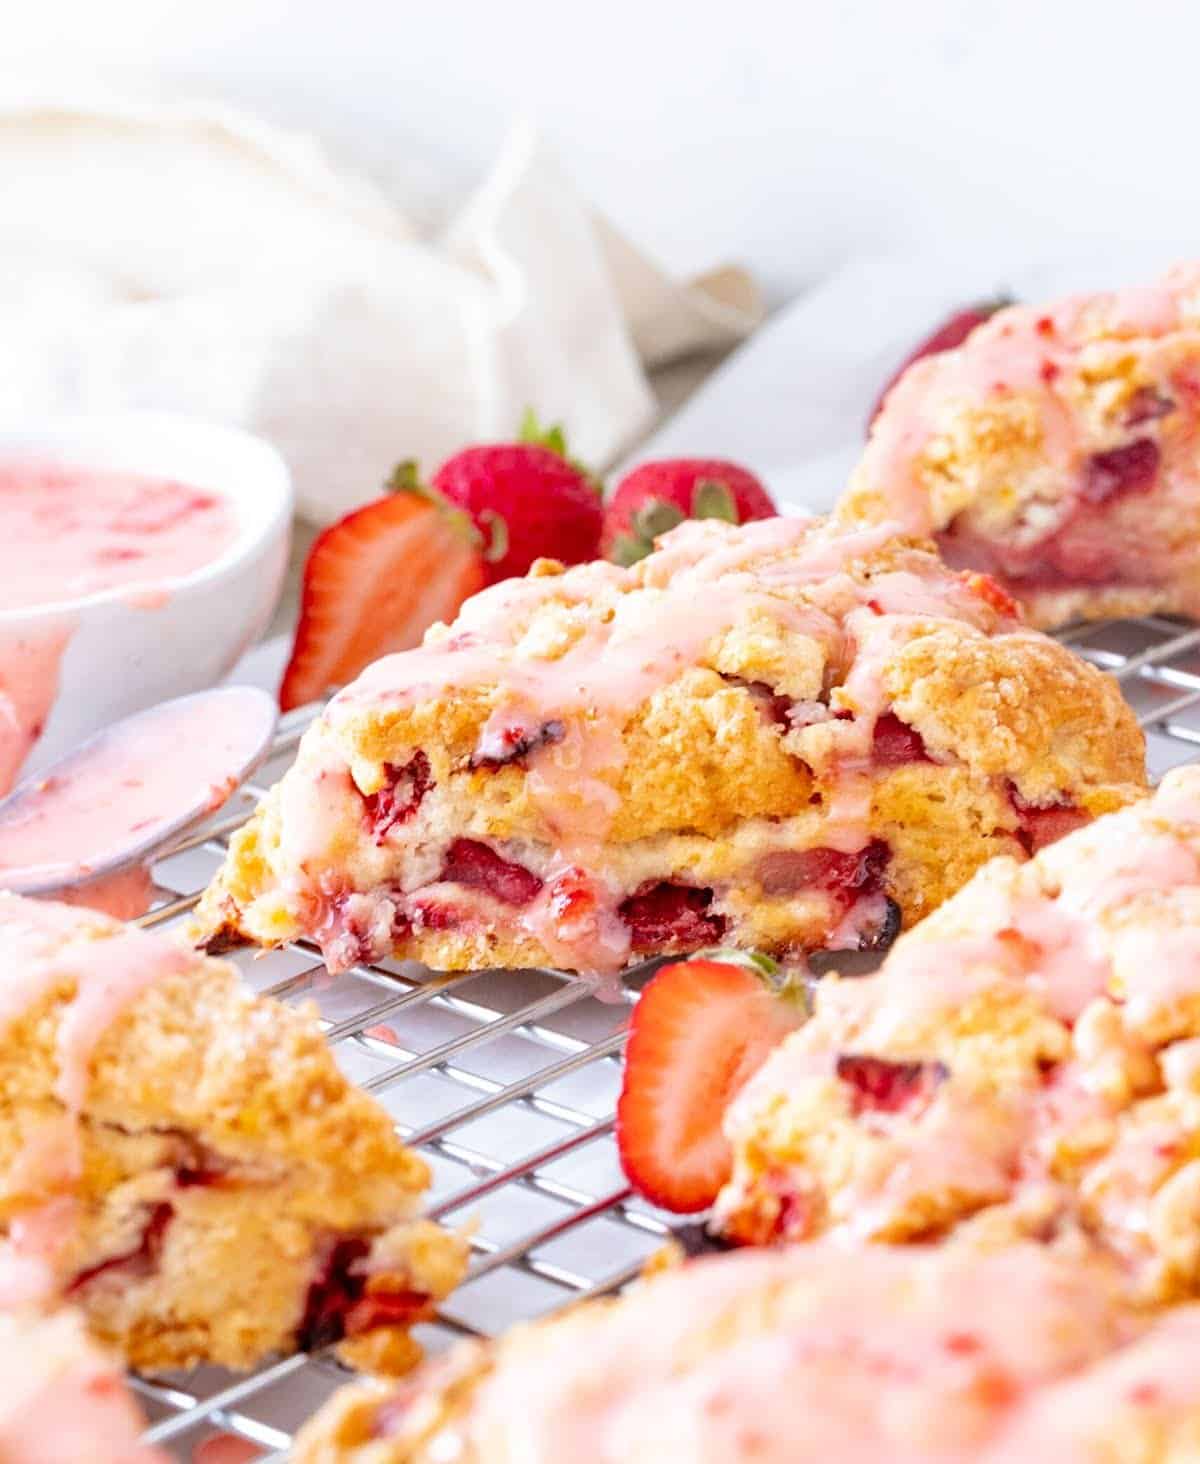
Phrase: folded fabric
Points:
(168, 256)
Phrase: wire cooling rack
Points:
(507, 1083)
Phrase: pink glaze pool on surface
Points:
(67, 532)
(127, 789)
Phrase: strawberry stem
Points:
(788, 985)
(712, 499)
(405, 477)
(554, 439)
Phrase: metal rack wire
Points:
(507, 1082)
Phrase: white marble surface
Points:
(789, 135)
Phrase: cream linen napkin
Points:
(191, 258)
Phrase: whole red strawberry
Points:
(657, 496)
(951, 333)
(528, 500)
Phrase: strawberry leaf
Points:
(627, 550)
(788, 985)
(712, 499)
(405, 478)
(552, 438)
(756, 961)
(656, 516)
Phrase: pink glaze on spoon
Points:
(85, 830)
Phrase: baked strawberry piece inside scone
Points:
(1027, 1059)
(63, 1400)
(1058, 449)
(776, 736)
(929, 1356)
(185, 1162)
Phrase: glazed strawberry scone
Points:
(1026, 1058)
(1057, 449)
(775, 735)
(921, 1356)
(63, 1400)
(185, 1162)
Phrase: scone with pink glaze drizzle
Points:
(1057, 449)
(1028, 1056)
(186, 1163)
(930, 1356)
(63, 1400)
(775, 736)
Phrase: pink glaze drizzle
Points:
(1057, 536)
(587, 676)
(911, 1356)
(1058, 931)
(63, 1401)
(1020, 349)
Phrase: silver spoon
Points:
(80, 820)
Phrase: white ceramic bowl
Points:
(120, 656)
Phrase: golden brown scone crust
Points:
(221, 1118)
(710, 709)
(927, 1354)
(1028, 1056)
(1057, 449)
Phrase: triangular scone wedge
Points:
(185, 1161)
(775, 736)
(808, 1353)
(1056, 449)
(62, 1398)
(1027, 1056)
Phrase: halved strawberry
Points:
(374, 582)
(699, 1030)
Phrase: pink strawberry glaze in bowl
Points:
(69, 666)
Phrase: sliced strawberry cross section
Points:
(700, 1029)
(882, 1086)
(666, 914)
(387, 1309)
(896, 743)
(843, 876)
(337, 1285)
(513, 744)
(401, 796)
(478, 866)
(138, 1261)
(1042, 825)
(1131, 468)
(1147, 404)
(374, 582)
(339, 1303)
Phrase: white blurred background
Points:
(784, 133)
